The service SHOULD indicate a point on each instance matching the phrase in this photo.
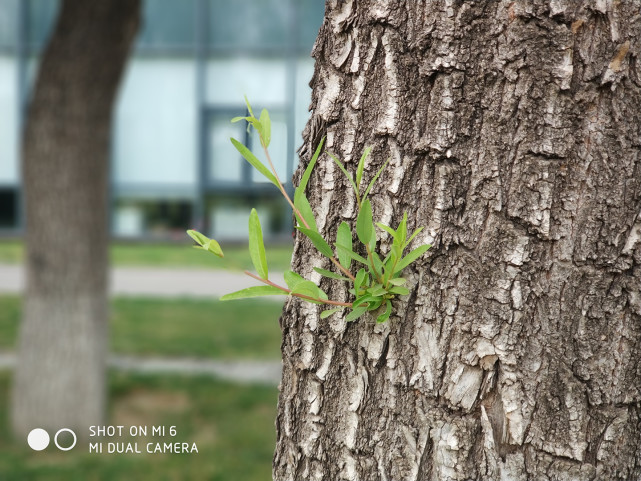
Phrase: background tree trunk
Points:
(513, 129)
(60, 376)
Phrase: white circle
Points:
(55, 439)
(38, 439)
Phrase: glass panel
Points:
(311, 14)
(8, 120)
(250, 24)
(225, 163)
(263, 81)
(8, 23)
(277, 148)
(303, 97)
(156, 123)
(41, 16)
(168, 23)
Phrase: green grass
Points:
(171, 255)
(180, 327)
(233, 427)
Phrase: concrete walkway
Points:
(156, 282)
(241, 371)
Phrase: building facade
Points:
(194, 61)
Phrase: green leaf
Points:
(401, 291)
(377, 290)
(399, 281)
(414, 234)
(348, 252)
(257, 164)
(292, 279)
(411, 257)
(344, 237)
(266, 124)
(356, 313)
(300, 190)
(309, 289)
(330, 274)
(401, 232)
(206, 243)
(371, 184)
(302, 204)
(364, 226)
(213, 247)
(318, 241)
(387, 229)
(377, 262)
(329, 312)
(361, 166)
(256, 291)
(249, 107)
(364, 299)
(360, 277)
(388, 310)
(201, 239)
(347, 174)
(238, 119)
(256, 246)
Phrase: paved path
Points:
(156, 282)
(242, 372)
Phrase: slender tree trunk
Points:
(513, 129)
(60, 376)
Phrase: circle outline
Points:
(55, 439)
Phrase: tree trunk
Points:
(60, 376)
(513, 129)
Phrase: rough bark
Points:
(60, 376)
(513, 129)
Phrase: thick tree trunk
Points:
(513, 129)
(60, 377)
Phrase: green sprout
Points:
(378, 278)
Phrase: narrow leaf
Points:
(401, 232)
(411, 257)
(414, 234)
(360, 277)
(256, 246)
(371, 184)
(329, 312)
(253, 160)
(201, 239)
(388, 310)
(353, 255)
(318, 241)
(213, 247)
(361, 165)
(309, 289)
(344, 237)
(300, 190)
(238, 119)
(256, 291)
(401, 291)
(344, 170)
(364, 226)
(249, 107)
(364, 300)
(356, 313)
(399, 281)
(292, 279)
(302, 204)
(330, 274)
(265, 122)
(387, 229)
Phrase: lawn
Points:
(171, 255)
(232, 426)
(179, 327)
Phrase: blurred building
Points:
(172, 163)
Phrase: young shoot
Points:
(373, 279)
